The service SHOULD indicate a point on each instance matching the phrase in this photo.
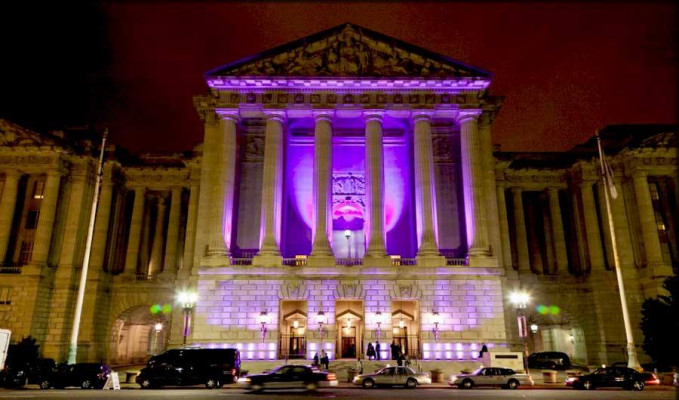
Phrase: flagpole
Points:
(632, 360)
(73, 349)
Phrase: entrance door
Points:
(297, 347)
(401, 338)
(349, 342)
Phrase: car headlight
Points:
(453, 377)
(571, 379)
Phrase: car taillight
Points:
(331, 377)
(233, 372)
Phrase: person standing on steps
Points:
(377, 351)
(371, 351)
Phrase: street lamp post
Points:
(188, 301)
(263, 319)
(320, 319)
(436, 320)
(520, 301)
(157, 328)
(378, 321)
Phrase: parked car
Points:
(502, 377)
(84, 375)
(289, 377)
(184, 367)
(393, 376)
(623, 377)
(549, 360)
(18, 374)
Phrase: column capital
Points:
(14, 173)
(276, 115)
(516, 189)
(468, 114)
(373, 115)
(639, 173)
(552, 189)
(55, 173)
(422, 115)
(323, 115)
(228, 114)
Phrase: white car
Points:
(503, 377)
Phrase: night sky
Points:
(566, 69)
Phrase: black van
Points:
(549, 360)
(184, 367)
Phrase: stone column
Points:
(376, 253)
(100, 238)
(558, 236)
(191, 221)
(7, 206)
(170, 264)
(321, 252)
(48, 210)
(134, 236)
(272, 191)
(425, 195)
(158, 236)
(222, 181)
(506, 260)
(649, 225)
(520, 230)
(474, 196)
(592, 233)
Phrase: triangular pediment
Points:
(12, 134)
(349, 50)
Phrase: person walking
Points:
(359, 366)
(325, 360)
(484, 349)
(394, 349)
(371, 351)
(316, 360)
(399, 360)
(378, 356)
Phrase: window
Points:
(26, 252)
(38, 189)
(32, 219)
(5, 294)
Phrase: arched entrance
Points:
(405, 323)
(293, 328)
(137, 334)
(349, 323)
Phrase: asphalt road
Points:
(340, 394)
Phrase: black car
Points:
(549, 360)
(290, 377)
(623, 377)
(185, 367)
(84, 375)
(20, 373)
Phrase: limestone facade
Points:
(346, 191)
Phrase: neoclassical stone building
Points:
(346, 191)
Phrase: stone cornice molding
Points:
(445, 85)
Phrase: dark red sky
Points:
(566, 69)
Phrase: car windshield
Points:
(478, 371)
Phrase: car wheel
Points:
(411, 384)
(45, 384)
(467, 384)
(513, 384)
(86, 384)
(587, 385)
(368, 383)
(146, 384)
(212, 383)
(311, 386)
(638, 386)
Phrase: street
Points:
(341, 394)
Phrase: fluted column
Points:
(592, 232)
(191, 222)
(272, 190)
(520, 230)
(7, 207)
(504, 227)
(222, 181)
(472, 177)
(321, 252)
(48, 210)
(158, 236)
(649, 225)
(425, 194)
(376, 253)
(558, 236)
(134, 235)
(170, 263)
(100, 238)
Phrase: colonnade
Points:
(218, 177)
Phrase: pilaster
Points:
(376, 252)
(321, 252)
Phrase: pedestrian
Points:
(399, 360)
(371, 351)
(325, 361)
(406, 359)
(484, 349)
(316, 364)
(378, 356)
(394, 349)
(359, 366)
